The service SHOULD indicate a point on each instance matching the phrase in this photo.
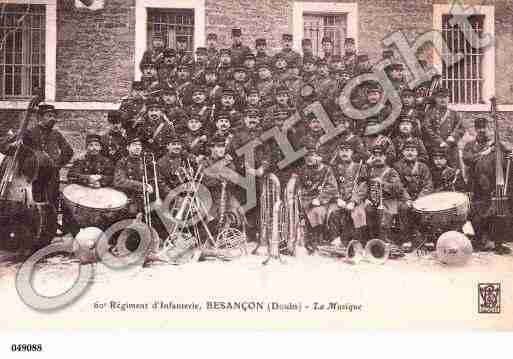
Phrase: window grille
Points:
(316, 26)
(171, 23)
(22, 50)
(464, 79)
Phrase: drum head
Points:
(102, 198)
(441, 201)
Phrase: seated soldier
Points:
(170, 165)
(351, 196)
(445, 178)
(416, 178)
(128, 176)
(406, 125)
(195, 137)
(345, 125)
(199, 106)
(385, 194)
(92, 170)
(154, 127)
(318, 189)
(225, 210)
(114, 141)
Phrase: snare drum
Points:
(443, 210)
(95, 207)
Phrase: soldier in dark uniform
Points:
(241, 83)
(480, 156)
(183, 56)
(251, 131)
(225, 69)
(345, 125)
(212, 51)
(92, 170)
(326, 85)
(214, 89)
(199, 105)
(128, 176)
(405, 135)
(385, 189)
(227, 106)
(170, 164)
(253, 101)
(261, 54)
(184, 85)
(154, 127)
(50, 141)
(279, 68)
(196, 136)
(238, 50)
(310, 71)
(282, 110)
(167, 69)
(266, 85)
(443, 127)
(155, 54)
(149, 78)
(306, 46)
(223, 129)
(352, 191)
(327, 50)
(132, 107)
(250, 66)
(173, 111)
(114, 141)
(287, 52)
(445, 178)
(318, 191)
(372, 92)
(416, 178)
(409, 108)
(200, 65)
(349, 58)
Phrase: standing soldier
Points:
(155, 54)
(317, 193)
(149, 78)
(184, 85)
(238, 50)
(444, 127)
(241, 83)
(54, 144)
(279, 68)
(212, 51)
(416, 178)
(306, 46)
(352, 191)
(199, 106)
(169, 164)
(132, 107)
(196, 136)
(200, 65)
(224, 69)
(282, 110)
(214, 90)
(250, 66)
(183, 56)
(409, 108)
(266, 85)
(349, 58)
(167, 69)
(286, 52)
(310, 71)
(172, 109)
(326, 85)
(261, 56)
(480, 156)
(327, 50)
(114, 141)
(385, 194)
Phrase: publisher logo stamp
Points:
(489, 298)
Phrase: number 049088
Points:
(26, 347)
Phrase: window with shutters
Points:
(22, 50)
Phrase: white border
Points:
(488, 64)
(300, 7)
(141, 17)
(50, 48)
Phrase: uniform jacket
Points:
(53, 143)
(393, 188)
(439, 125)
(114, 146)
(345, 174)
(128, 175)
(88, 165)
(399, 142)
(416, 178)
(390, 152)
(317, 182)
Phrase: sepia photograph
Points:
(256, 164)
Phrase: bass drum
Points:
(443, 210)
(95, 207)
(26, 228)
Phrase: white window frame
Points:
(300, 7)
(50, 51)
(141, 18)
(488, 60)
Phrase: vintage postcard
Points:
(172, 164)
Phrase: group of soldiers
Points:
(200, 109)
